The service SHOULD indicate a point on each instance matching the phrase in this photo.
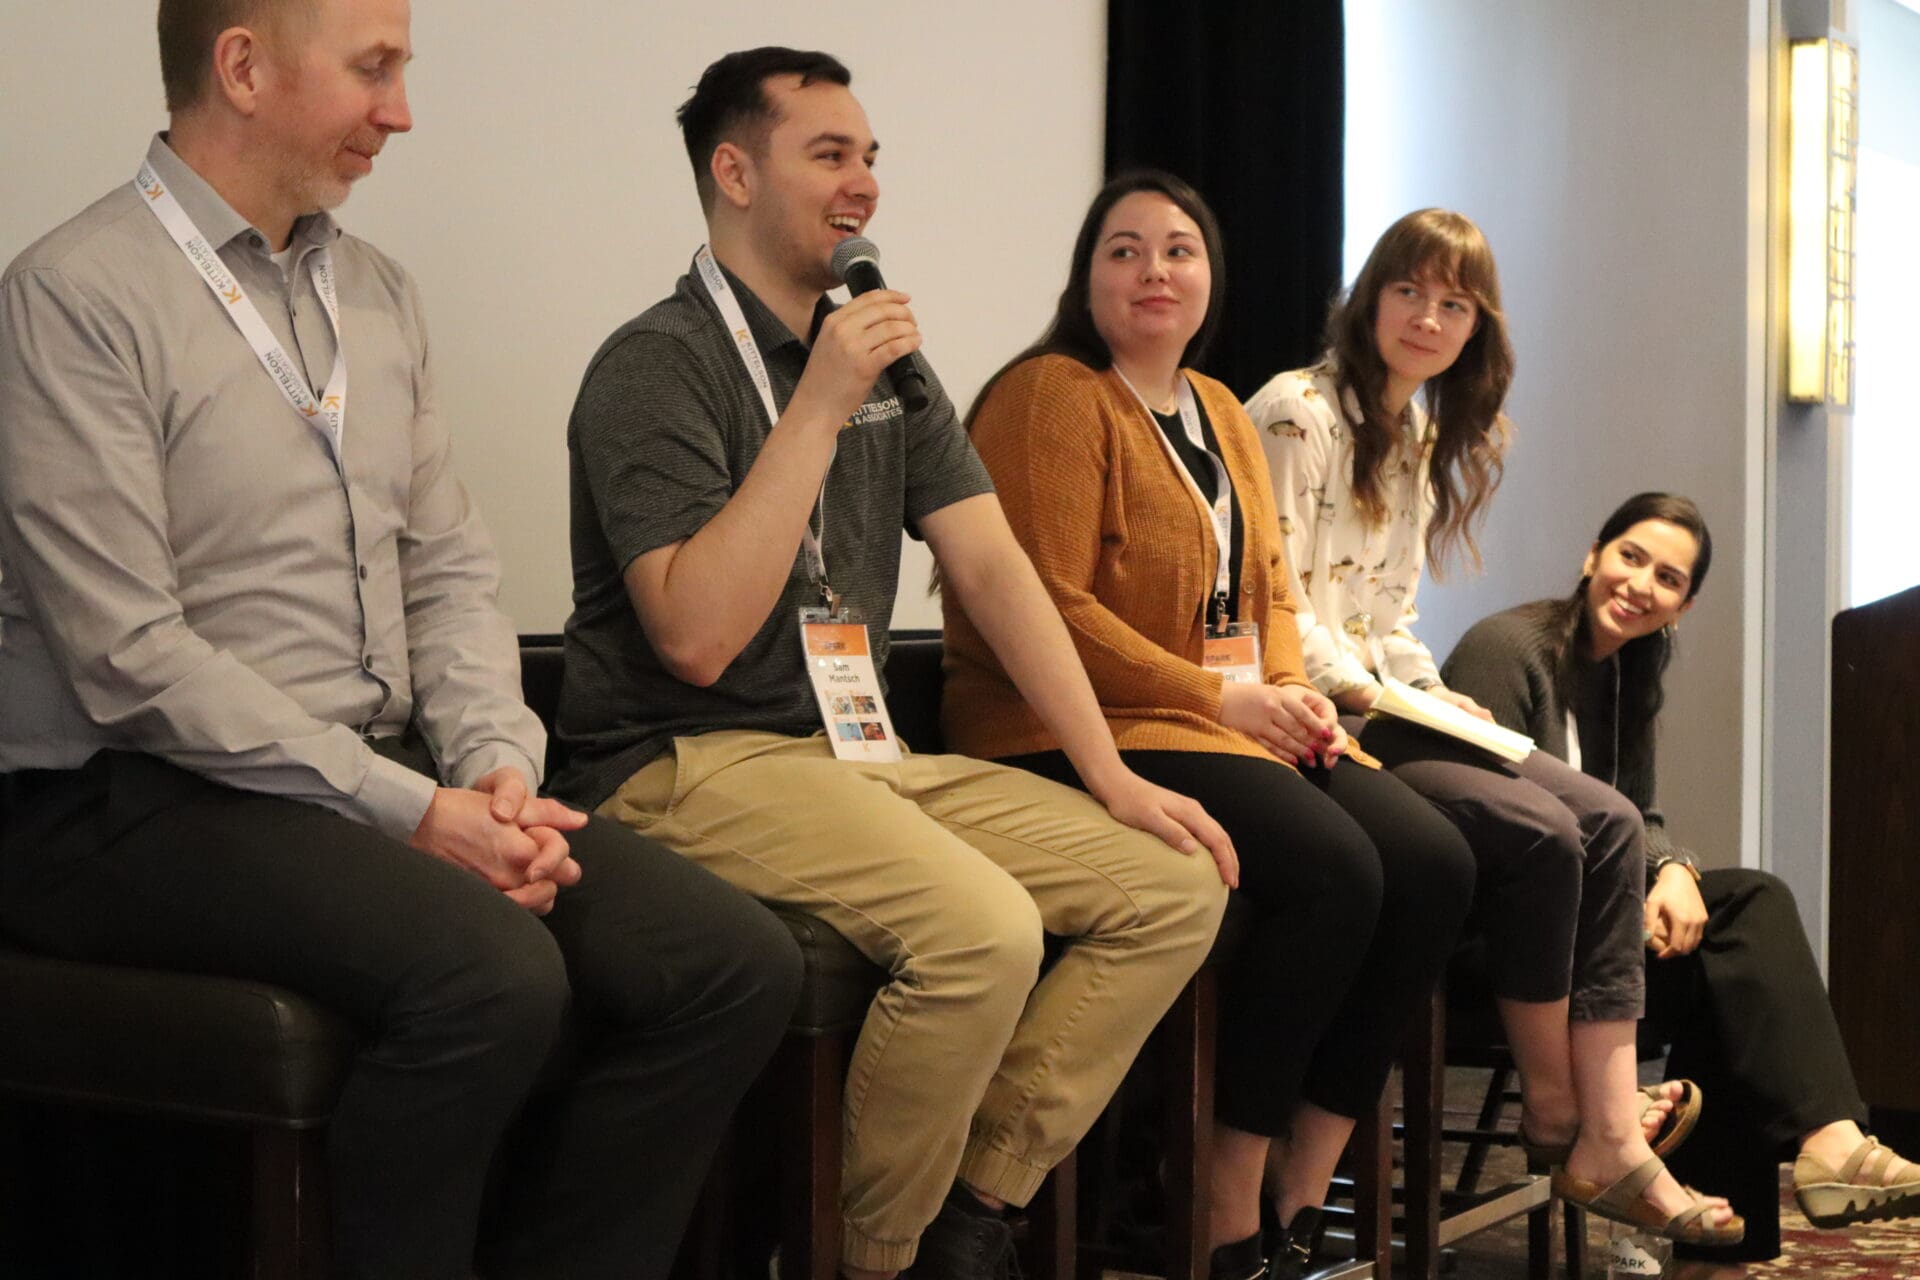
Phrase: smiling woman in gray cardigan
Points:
(1731, 981)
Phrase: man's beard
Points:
(317, 184)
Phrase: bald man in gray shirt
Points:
(260, 713)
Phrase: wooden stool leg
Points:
(706, 1248)
(1540, 1242)
(1474, 1163)
(1053, 1244)
(1424, 1084)
(1189, 1140)
(1371, 1150)
(1576, 1241)
(812, 1077)
(291, 1217)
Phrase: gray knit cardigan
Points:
(1505, 663)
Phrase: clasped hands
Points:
(1296, 723)
(1676, 914)
(504, 834)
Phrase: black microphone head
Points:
(851, 250)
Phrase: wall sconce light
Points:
(1823, 138)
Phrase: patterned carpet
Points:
(1866, 1251)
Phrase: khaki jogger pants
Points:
(944, 871)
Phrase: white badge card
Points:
(847, 688)
(1234, 654)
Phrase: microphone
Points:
(856, 263)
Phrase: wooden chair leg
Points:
(1053, 1245)
(1189, 1137)
(1474, 1163)
(812, 1075)
(704, 1251)
(1371, 1153)
(1540, 1242)
(291, 1216)
(1576, 1241)
(1424, 1084)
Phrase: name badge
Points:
(847, 688)
(1234, 653)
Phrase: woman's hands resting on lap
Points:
(1676, 914)
(1297, 724)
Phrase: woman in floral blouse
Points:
(1385, 454)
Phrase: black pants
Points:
(674, 986)
(1562, 883)
(1358, 889)
(1747, 1016)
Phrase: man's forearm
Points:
(721, 583)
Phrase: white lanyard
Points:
(729, 304)
(1220, 512)
(327, 411)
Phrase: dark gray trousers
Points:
(674, 987)
(1561, 894)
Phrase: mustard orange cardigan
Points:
(1129, 558)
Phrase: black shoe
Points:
(965, 1241)
(1240, 1260)
(1293, 1249)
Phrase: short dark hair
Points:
(1072, 332)
(188, 29)
(730, 103)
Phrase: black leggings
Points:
(1358, 889)
(1748, 1018)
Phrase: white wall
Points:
(544, 198)
(1884, 449)
(1607, 150)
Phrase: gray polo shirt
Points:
(666, 425)
(188, 573)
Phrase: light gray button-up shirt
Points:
(184, 568)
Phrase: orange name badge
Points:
(1235, 655)
(846, 688)
(837, 639)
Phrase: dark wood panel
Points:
(1874, 917)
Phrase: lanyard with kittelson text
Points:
(328, 411)
(729, 304)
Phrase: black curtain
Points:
(1245, 99)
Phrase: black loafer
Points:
(1240, 1260)
(965, 1241)
(1291, 1257)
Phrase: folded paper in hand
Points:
(1417, 706)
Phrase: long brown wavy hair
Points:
(1470, 430)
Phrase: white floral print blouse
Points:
(1353, 582)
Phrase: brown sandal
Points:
(1673, 1130)
(1625, 1201)
(1680, 1121)
(1542, 1156)
(1858, 1190)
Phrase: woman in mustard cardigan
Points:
(1140, 491)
